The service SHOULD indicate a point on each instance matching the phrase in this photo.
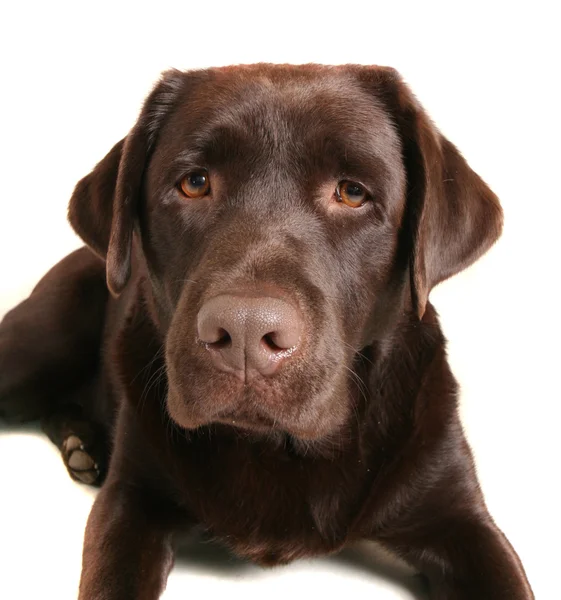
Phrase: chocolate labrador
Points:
(246, 345)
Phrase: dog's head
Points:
(287, 217)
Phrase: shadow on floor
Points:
(32, 427)
(210, 557)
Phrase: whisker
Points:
(157, 355)
(155, 379)
(361, 386)
(186, 281)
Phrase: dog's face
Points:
(287, 216)
(300, 195)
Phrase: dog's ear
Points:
(451, 216)
(90, 211)
(103, 207)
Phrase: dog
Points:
(245, 344)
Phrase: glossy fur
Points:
(357, 436)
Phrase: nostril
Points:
(279, 341)
(268, 340)
(223, 340)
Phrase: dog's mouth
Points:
(249, 420)
(251, 410)
(260, 408)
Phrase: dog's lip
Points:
(259, 423)
(247, 378)
(243, 420)
(244, 414)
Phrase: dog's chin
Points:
(245, 413)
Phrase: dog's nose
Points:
(249, 334)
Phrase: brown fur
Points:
(357, 436)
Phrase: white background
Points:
(73, 77)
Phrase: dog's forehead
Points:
(280, 107)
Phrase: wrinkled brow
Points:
(324, 152)
(219, 144)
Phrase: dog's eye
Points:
(195, 184)
(350, 193)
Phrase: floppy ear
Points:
(103, 207)
(452, 217)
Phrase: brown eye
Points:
(195, 185)
(352, 194)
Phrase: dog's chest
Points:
(268, 507)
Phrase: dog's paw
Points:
(79, 462)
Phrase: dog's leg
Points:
(128, 540)
(127, 548)
(463, 554)
(49, 344)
